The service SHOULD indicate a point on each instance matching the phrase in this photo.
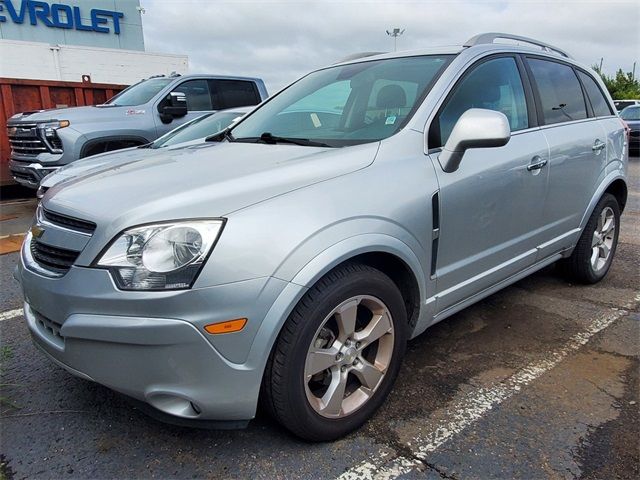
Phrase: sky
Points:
(280, 41)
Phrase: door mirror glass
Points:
(476, 128)
(174, 107)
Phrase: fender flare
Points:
(315, 269)
(603, 187)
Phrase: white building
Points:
(64, 41)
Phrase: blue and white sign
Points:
(59, 15)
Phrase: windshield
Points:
(199, 128)
(344, 105)
(139, 93)
(631, 113)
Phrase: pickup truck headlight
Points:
(49, 134)
(164, 256)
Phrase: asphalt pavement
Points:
(537, 381)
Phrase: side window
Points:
(494, 85)
(559, 89)
(234, 93)
(197, 93)
(598, 101)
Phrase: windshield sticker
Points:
(390, 120)
(132, 111)
(315, 120)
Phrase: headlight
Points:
(50, 128)
(164, 256)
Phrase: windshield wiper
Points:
(222, 135)
(270, 139)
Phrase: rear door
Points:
(577, 147)
(490, 207)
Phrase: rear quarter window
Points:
(596, 97)
(559, 91)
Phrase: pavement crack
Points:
(599, 388)
(437, 470)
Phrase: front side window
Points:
(346, 105)
(197, 93)
(598, 102)
(493, 85)
(140, 93)
(559, 90)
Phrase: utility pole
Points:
(600, 67)
(395, 33)
(633, 72)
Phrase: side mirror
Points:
(476, 128)
(174, 106)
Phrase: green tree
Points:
(622, 85)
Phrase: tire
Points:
(320, 322)
(580, 265)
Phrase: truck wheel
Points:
(338, 354)
(592, 257)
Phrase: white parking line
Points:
(8, 315)
(473, 407)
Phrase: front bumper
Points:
(151, 345)
(29, 174)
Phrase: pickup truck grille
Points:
(24, 139)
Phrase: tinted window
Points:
(494, 85)
(197, 92)
(598, 102)
(621, 104)
(234, 93)
(560, 91)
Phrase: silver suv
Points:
(292, 256)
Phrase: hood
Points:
(106, 161)
(205, 180)
(79, 115)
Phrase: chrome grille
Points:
(24, 139)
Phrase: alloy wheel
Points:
(349, 356)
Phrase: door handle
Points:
(536, 165)
(598, 145)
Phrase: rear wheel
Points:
(592, 257)
(338, 354)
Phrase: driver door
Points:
(198, 103)
(490, 208)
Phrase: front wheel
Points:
(592, 257)
(338, 354)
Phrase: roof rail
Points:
(355, 56)
(484, 38)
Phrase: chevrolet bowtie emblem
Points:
(37, 231)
